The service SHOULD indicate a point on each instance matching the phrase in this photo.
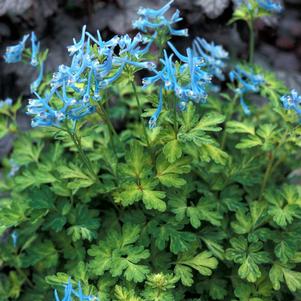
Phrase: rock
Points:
(285, 42)
(287, 61)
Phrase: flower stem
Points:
(112, 132)
(140, 113)
(103, 114)
(271, 166)
(251, 41)
(228, 117)
(82, 154)
(267, 174)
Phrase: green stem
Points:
(112, 132)
(271, 166)
(175, 115)
(267, 174)
(103, 114)
(140, 113)
(251, 41)
(25, 276)
(83, 156)
(228, 117)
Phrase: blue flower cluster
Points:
(95, 65)
(214, 56)
(154, 20)
(270, 6)
(292, 101)
(247, 82)
(72, 294)
(6, 103)
(14, 54)
(186, 77)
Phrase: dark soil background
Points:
(56, 22)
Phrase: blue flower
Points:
(77, 46)
(14, 236)
(74, 86)
(270, 6)
(154, 19)
(153, 120)
(35, 85)
(70, 294)
(154, 13)
(35, 47)
(292, 101)
(187, 78)
(7, 102)
(14, 53)
(246, 82)
(214, 56)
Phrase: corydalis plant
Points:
(200, 204)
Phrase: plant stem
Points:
(83, 156)
(140, 113)
(112, 132)
(251, 41)
(103, 114)
(271, 166)
(267, 174)
(26, 278)
(175, 115)
(229, 115)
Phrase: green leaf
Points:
(248, 256)
(153, 200)
(42, 198)
(240, 127)
(211, 152)
(283, 273)
(204, 263)
(210, 121)
(84, 223)
(284, 206)
(118, 255)
(41, 254)
(168, 174)
(172, 150)
(249, 142)
(180, 241)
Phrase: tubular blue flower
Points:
(74, 86)
(270, 6)
(154, 20)
(14, 53)
(35, 85)
(153, 120)
(154, 13)
(247, 82)
(35, 47)
(14, 236)
(187, 78)
(214, 56)
(292, 101)
(6, 103)
(78, 45)
(71, 294)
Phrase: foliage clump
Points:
(200, 204)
